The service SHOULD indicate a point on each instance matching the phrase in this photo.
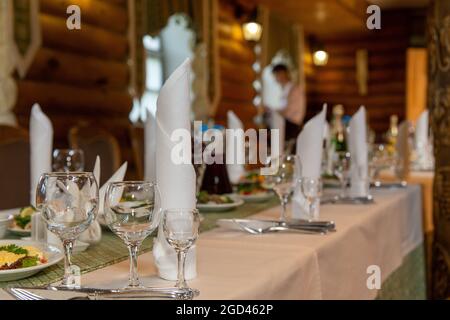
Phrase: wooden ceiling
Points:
(323, 17)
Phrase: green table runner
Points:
(112, 250)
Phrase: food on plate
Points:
(23, 219)
(205, 198)
(253, 177)
(250, 189)
(16, 257)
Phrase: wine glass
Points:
(69, 204)
(68, 160)
(181, 231)
(282, 181)
(312, 191)
(132, 212)
(341, 169)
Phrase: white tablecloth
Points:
(234, 265)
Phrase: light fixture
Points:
(320, 57)
(252, 31)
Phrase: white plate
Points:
(20, 232)
(257, 197)
(213, 207)
(52, 253)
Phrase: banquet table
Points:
(234, 265)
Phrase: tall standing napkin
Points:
(421, 135)
(41, 147)
(309, 150)
(235, 170)
(176, 181)
(359, 177)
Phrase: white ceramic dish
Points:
(52, 253)
(5, 222)
(214, 207)
(20, 232)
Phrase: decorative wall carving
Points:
(439, 104)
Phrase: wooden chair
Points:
(137, 136)
(95, 142)
(14, 168)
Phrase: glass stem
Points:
(133, 278)
(181, 282)
(68, 246)
(284, 202)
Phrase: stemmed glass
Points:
(181, 231)
(132, 212)
(283, 181)
(69, 204)
(68, 160)
(312, 191)
(341, 169)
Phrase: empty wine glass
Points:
(68, 160)
(282, 181)
(132, 212)
(181, 231)
(341, 169)
(69, 204)
(312, 190)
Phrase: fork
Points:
(279, 228)
(21, 294)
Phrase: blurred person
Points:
(293, 104)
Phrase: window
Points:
(154, 79)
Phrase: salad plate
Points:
(217, 203)
(21, 259)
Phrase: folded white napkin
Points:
(359, 154)
(309, 150)
(41, 147)
(176, 181)
(150, 148)
(278, 123)
(402, 150)
(421, 135)
(235, 170)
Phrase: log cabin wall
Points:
(236, 58)
(336, 83)
(81, 75)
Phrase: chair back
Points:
(95, 142)
(14, 168)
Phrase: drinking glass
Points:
(68, 160)
(69, 204)
(283, 181)
(312, 191)
(341, 169)
(181, 231)
(132, 212)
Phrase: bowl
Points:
(5, 222)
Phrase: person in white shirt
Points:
(293, 107)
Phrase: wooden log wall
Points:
(336, 82)
(236, 57)
(81, 75)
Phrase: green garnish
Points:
(22, 221)
(29, 262)
(14, 249)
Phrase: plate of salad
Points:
(21, 224)
(216, 202)
(20, 259)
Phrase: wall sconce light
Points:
(252, 31)
(319, 54)
(320, 57)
